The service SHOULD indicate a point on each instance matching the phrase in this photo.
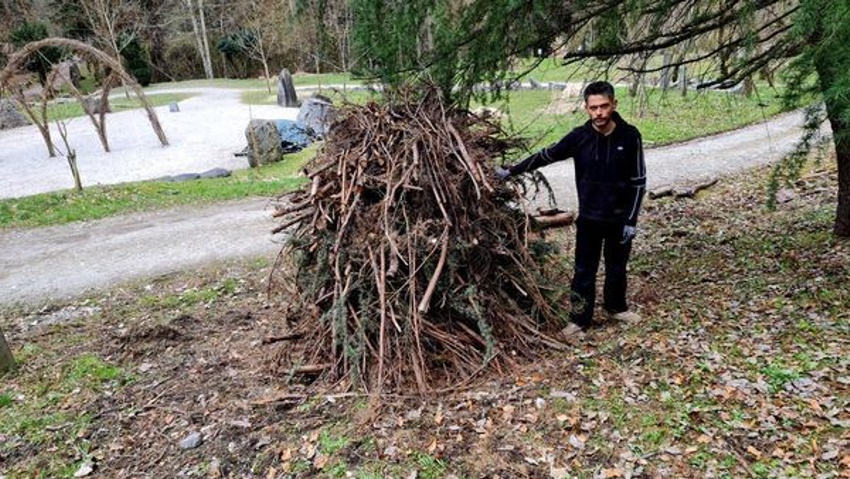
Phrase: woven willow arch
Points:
(17, 60)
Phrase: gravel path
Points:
(65, 261)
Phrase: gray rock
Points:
(192, 441)
(95, 105)
(185, 177)
(785, 195)
(174, 107)
(286, 95)
(315, 117)
(10, 117)
(263, 142)
(215, 173)
(68, 70)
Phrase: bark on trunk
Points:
(207, 58)
(842, 155)
(7, 361)
(830, 70)
(200, 30)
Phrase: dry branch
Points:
(685, 191)
(554, 219)
(410, 263)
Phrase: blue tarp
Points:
(292, 136)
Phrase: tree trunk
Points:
(831, 71)
(157, 45)
(666, 72)
(39, 120)
(207, 58)
(841, 137)
(200, 30)
(7, 361)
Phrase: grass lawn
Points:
(73, 109)
(102, 201)
(299, 79)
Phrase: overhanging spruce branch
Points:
(737, 43)
(672, 36)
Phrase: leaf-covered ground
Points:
(739, 369)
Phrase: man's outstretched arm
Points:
(637, 183)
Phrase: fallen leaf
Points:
(320, 461)
(829, 455)
(755, 452)
(286, 454)
(559, 472)
(433, 445)
(612, 472)
(575, 441)
(85, 469)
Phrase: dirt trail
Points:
(65, 261)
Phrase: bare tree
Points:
(199, 28)
(264, 21)
(112, 22)
(70, 155)
(39, 118)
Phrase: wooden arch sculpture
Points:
(16, 62)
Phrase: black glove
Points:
(629, 233)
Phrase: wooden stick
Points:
(285, 337)
(291, 222)
(564, 218)
(432, 285)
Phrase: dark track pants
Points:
(592, 239)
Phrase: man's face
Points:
(600, 108)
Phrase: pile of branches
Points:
(408, 261)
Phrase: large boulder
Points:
(286, 95)
(69, 71)
(315, 116)
(95, 105)
(263, 142)
(10, 117)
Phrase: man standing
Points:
(610, 179)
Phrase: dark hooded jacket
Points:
(610, 170)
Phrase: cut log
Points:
(685, 191)
(691, 191)
(661, 192)
(554, 219)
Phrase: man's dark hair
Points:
(599, 88)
